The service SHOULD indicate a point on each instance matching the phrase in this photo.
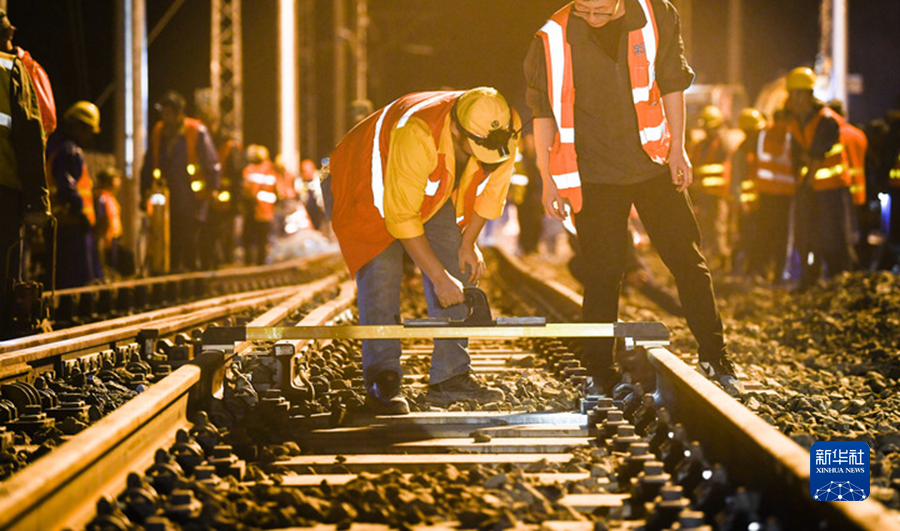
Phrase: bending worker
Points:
(606, 80)
(421, 176)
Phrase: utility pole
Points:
(289, 82)
(340, 71)
(226, 67)
(735, 40)
(362, 62)
(131, 109)
(307, 71)
(839, 53)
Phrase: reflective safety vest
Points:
(772, 171)
(834, 170)
(856, 144)
(712, 170)
(894, 181)
(652, 124)
(112, 211)
(223, 201)
(42, 88)
(194, 169)
(357, 169)
(84, 186)
(261, 183)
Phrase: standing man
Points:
(72, 195)
(421, 176)
(183, 156)
(711, 188)
(23, 183)
(605, 82)
(824, 208)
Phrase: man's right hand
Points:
(449, 290)
(554, 204)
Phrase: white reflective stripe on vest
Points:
(459, 219)
(653, 134)
(567, 180)
(6, 63)
(567, 135)
(558, 67)
(482, 186)
(377, 170)
(431, 187)
(415, 108)
(266, 197)
(262, 178)
(765, 174)
(650, 49)
(6, 120)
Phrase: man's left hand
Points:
(471, 256)
(682, 172)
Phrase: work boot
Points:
(721, 370)
(385, 397)
(395, 405)
(463, 387)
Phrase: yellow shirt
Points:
(412, 157)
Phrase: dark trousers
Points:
(217, 240)
(184, 235)
(823, 230)
(769, 236)
(10, 222)
(256, 241)
(669, 220)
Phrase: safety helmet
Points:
(488, 124)
(801, 78)
(751, 119)
(257, 153)
(86, 113)
(711, 117)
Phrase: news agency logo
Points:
(839, 471)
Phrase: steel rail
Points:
(754, 453)
(59, 490)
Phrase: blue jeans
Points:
(378, 298)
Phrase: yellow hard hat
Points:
(711, 117)
(488, 123)
(801, 78)
(751, 119)
(257, 153)
(86, 113)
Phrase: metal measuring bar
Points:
(478, 324)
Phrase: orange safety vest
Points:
(194, 169)
(856, 144)
(41, 83)
(113, 216)
(357, 176)
(711, 173)
(833, 173)
(772, 172)
(652, 124)
(261, 182)
(222, 201)
(84, 186)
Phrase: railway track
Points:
(300, 450)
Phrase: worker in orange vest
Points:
(40, 82)
(72, 195)
(260, 196)
(711, 188)
(824, 216)
(745, 198)
(181, 154)
(421, 177)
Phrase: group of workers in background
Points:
(426, 174)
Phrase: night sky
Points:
(426, 45)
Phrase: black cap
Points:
(171, 99)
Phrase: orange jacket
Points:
(652, 123)
(772, 172)
(856, 144)
(834, 170)
(261, 183)
(364, 190)
(41, 83)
